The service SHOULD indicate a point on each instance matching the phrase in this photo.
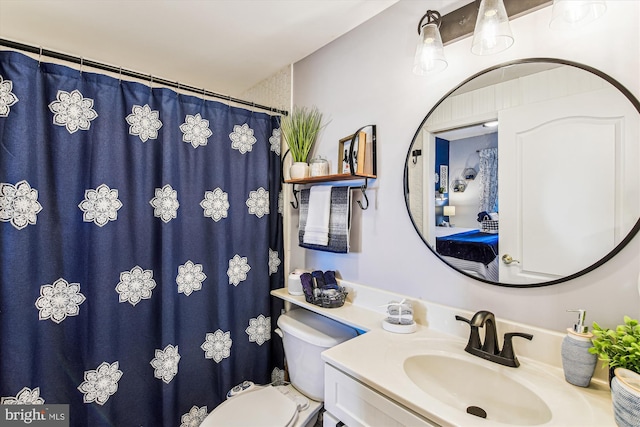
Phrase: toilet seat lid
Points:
(264, 407)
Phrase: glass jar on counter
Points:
(319, 166)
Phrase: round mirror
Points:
(527, 173)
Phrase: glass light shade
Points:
(429, 52)
(492, 33)
(569, 14)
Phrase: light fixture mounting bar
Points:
(460, 23)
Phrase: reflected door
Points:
(560, 183)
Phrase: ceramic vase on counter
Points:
(299, 170)
(578, 364)
(625, 396)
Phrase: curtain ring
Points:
(204, 94)
(40, 57)
(150, 84)
(81, 64)
(120, 76)
(229, 102)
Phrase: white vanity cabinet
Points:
(357, 405)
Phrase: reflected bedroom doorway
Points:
(461, 203)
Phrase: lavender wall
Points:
(365, 77)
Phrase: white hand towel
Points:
(316, 230)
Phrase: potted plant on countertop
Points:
(300, 130)
(619, 349)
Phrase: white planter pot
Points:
(299, 170)
(625, 396)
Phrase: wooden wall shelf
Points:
(328, 178)
(342, 176)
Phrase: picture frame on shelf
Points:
(359, 141)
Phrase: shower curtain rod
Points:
(130, 73)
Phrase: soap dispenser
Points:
(577, 362)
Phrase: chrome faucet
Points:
(490, 349)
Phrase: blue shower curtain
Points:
(140, 235)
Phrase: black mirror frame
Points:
(632, 233)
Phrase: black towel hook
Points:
(363, 188)
(295, 196)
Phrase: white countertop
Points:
(349, 314)
(376, 359)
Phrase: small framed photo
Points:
(344, 148)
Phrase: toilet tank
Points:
(305, 336)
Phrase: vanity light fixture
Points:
(482, 16)
(568, 14)
(492, 33)
(429, 56)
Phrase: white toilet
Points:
(305, 335)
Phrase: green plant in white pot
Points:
(619, 347)
(300, 130)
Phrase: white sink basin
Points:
(457, 381)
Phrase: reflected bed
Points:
(469, 250)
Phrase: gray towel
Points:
(339, 220)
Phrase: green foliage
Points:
(300, 129)
(619, 348)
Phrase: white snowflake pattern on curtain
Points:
(277, 376)
(73, 111)
(259, 329)
(238, 269)
(275, 140)
(195, 130)
(190, 278)
(274, 261)
(101, 383)
(242, 138)
(100, 205)
(165, 363)
(280, 203)
(165, 203)
(215, 204)
(144, 122)
(258, 202)
(217, 345)
(26, 396)
(59, 300)
(194, 417)
(135, 285)
(19, 204)
(7, 97)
